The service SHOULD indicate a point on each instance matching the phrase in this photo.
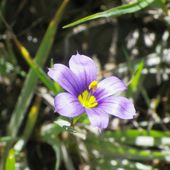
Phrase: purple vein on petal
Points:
(108, 87)
(84, 68)
(98, 117)
(118, 106)
(65, 78)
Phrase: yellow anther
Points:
(86, 100)
(93, 85)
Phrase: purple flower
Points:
(85, 94)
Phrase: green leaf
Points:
(31, 79)
(117, 11)
(134, 137)
(2, 9)
(116, 150)
(10, 162)
(5, 139)
(83, 118)
(111, 164)
(49, 133)
(29, 125)
(65, 125)
(159, 4)
(51, 85)
(62, 123)
(136, 78)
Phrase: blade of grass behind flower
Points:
(31, 79)
(135, 133)
(133, 137)
(134, 83)
(10, 162)
(51, 85)
(2, 9)
(30, 123)
(125, 164)
(49, 134)
(136, 78)
(116, 11)
(5, 139)
(116, 150)
(11, 56)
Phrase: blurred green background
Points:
(126, 38)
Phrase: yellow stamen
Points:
(87, 100)
(93, 85)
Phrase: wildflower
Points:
(85, 94)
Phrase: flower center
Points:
(86, 99)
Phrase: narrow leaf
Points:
(37, 69)
(31, 79)
(117, 11)
(136, 78)
(10, 162)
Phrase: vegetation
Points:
(129, 39)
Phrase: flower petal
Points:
(67, 105)
(65, 78)
(98, 117)
(84, 68)
(118, 106)
(109, 86)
